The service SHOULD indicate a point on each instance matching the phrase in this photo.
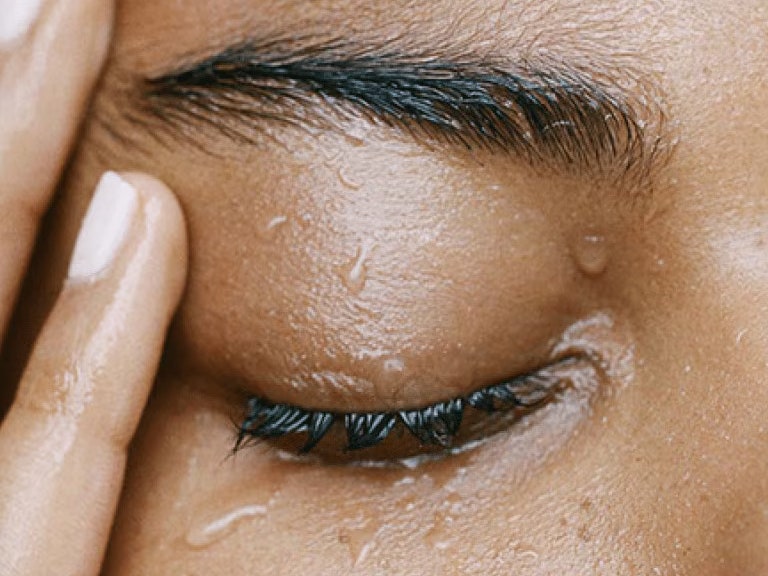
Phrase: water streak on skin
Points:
(355, 277)
(269, 230)
(276, 221)
(214, 531)
(440, 535)
(359, 539)
(348, 181)
(524, 551)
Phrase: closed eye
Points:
(435, 426)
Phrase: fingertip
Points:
(164, 217)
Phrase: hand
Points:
(63, 443)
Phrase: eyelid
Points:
(433, 425)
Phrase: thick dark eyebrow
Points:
(550, 115)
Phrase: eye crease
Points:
(436, 425)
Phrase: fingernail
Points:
(16, 18)
(104, 227)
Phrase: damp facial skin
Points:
(356, 264)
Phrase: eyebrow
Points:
(551, 115)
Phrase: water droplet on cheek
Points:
(359, 539)
(276, 221)
(210, 531)
(440, 535)
(272, 225)
(591, 254)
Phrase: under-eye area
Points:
(441, 427)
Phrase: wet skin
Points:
(354, 265)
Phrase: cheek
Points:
(380, 267)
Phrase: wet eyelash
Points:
(434, 425)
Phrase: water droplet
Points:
(394, 364)
(390, 377)
(525, 551)
(276, 221)
(329, 147)
(348, 181)
(357, 135)
(359, 539)
(271, 227)
(439, 535)
(592, 254)
(355, 141)
(212, 531)
(355, 276)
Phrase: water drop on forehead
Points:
(591, 254)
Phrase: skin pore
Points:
(357, 262)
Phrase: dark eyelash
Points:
(434, 425)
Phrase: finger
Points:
(51, 52)
(63, 443)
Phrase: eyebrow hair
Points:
(551, 115)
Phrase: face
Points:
(392, 205)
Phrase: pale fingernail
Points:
(104, 227)
(16, 18)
